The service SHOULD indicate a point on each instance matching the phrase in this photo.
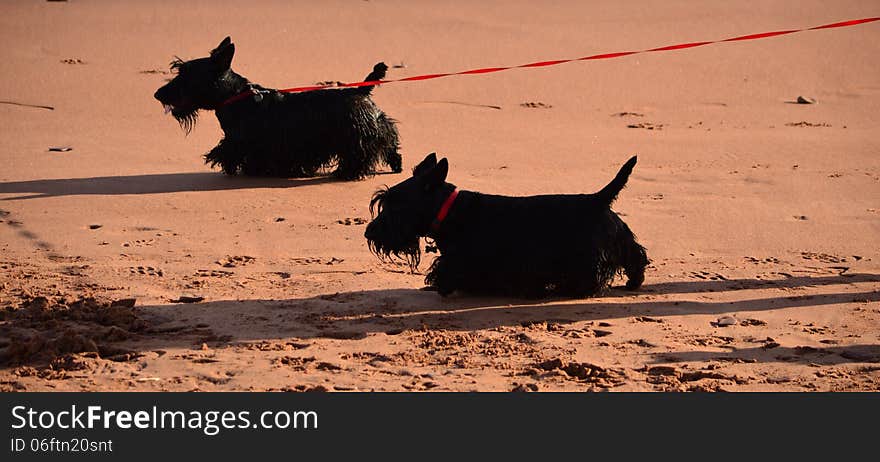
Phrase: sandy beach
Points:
(761, 216)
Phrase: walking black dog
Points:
(569, 245)
(282, 134)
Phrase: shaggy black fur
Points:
(569, 245)
(282, 134)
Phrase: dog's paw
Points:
(444, 292)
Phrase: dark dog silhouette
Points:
(570, 245)
(270, 133)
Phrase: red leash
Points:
(488, 70)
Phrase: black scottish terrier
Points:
(537, 246)
(271, 133)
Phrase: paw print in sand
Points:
(234, 261)
(146, 271)
(352, 221)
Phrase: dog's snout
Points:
(165, 94)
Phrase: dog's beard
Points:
(407, 250)
(396, 245)
(185, 117)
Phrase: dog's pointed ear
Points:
(222, 55)
(436, 177)
(223, 44)
(426, 165)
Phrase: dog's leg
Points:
(627, 254)
(580, 282)
(394, 160)
(390, 154)
(442, 276)
(517, 278)
(634, 265)
(353, 164)
(226, 156)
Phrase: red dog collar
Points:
(444, 210)
(238, 97)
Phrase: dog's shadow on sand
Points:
(149, 184)
(355, 315)
(825, 356)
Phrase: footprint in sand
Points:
(215, 380)
(646, 126)
(524, 388)
(647, 319)
(707, 275)
(757, 261)
(213, 273)
(296, 363)
(536, 105)
(814, 329)
(139, 243)
(235, 261)
(702, 340)
(822, 257)
(317, 261)
(352, 221)
(146, 271)
(306, 260)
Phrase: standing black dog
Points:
(282, 134)
(569, 245)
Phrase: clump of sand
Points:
(41, 331)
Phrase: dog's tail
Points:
(378, 73)
(610, 192)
